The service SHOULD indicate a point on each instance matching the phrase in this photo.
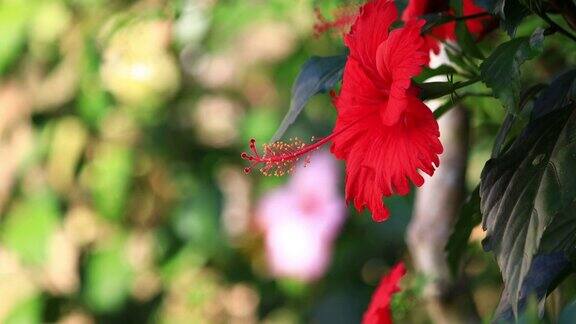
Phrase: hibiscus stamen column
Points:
(279, 158)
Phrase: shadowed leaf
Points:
(501, 70)
(318, 74)
(468, 218)
(527, 197)
(511, 12)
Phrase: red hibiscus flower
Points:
(383, 131)
(379, 309)
(386, 134)
(478, 26)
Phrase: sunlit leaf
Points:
(108, 277)
(14, 18)
(29, 225)
(28, 311)
(110, 179)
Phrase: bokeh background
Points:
(122, 196)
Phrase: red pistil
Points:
(280, 158)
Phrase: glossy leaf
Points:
(546, 271)
(501, 70)
(318, 74)
(527, 194)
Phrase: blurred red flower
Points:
(379, 311)
(385, 132)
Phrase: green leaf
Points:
(560, 93)
(433, 90)
(318, 74)
(93, 102)
(14, 18)
(511, 12)
(29, 226)
(505, 133)
(109, 277)
(465, 39)
(501, 70)
(111, 179)
(468, 218)
(428, 73)
(528, 195)
(28, 311)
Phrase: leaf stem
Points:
(474, 16)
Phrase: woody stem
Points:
(448, 299)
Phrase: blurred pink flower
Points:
(301, 220)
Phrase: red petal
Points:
(382, 160)
(383, 131)
(379, 311)
(401, 57)
(370, 29)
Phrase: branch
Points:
(436, 207)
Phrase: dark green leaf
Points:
(560, 93)
(546, 272)
(528, 193)
(501, 70)
(435, 19)
(568, 314)
(465, 39)
(468, 218)
(319, 74)
(428, 73)
(511, 119)
(511, 12)
(438, 112)
(433, 90)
